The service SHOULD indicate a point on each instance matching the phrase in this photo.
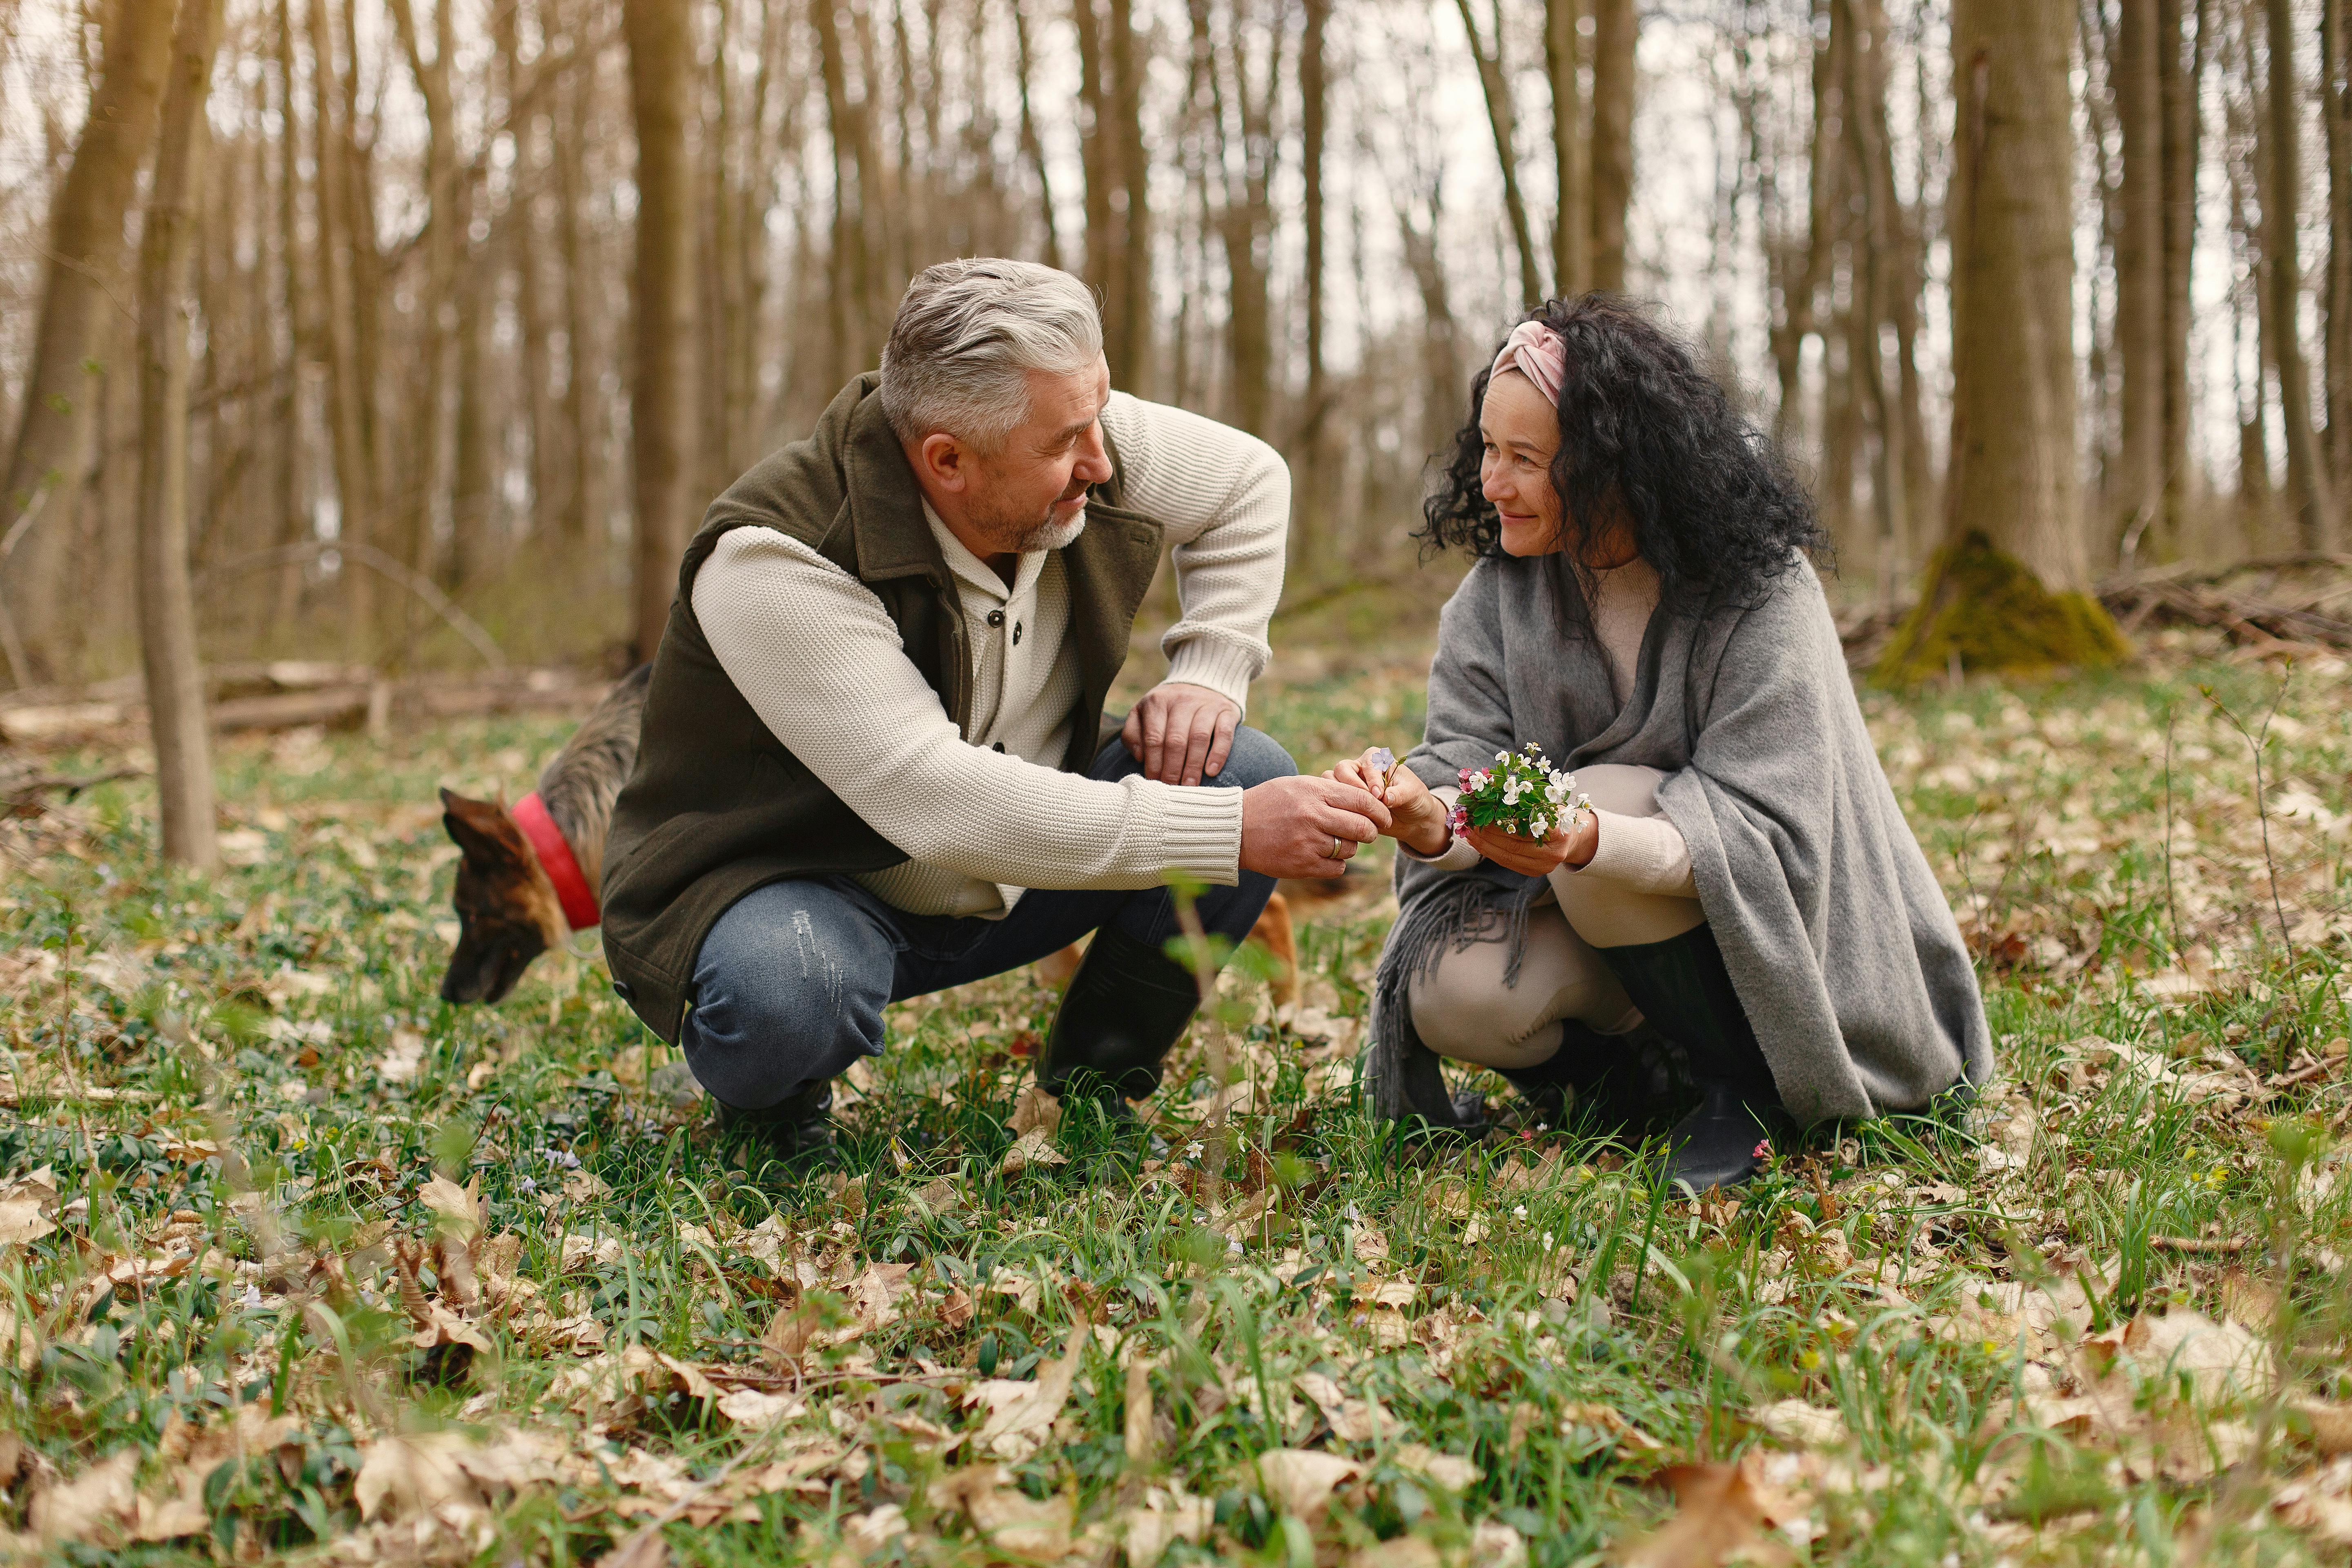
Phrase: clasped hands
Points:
(1182, 734)
(1310, 827)
(1418, 818)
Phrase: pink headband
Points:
(1535, 351)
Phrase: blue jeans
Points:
(790, 984)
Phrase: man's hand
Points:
(1181, 733)
(1307, 826)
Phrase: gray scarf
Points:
(1833, 928)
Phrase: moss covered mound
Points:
(1982, 606)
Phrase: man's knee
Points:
(1255, 757)
(789, 988)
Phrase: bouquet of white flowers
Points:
(1521, 794)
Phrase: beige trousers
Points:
(1461, 1009)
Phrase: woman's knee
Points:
(1625, 788)
(789, 988)
(1465, 1011)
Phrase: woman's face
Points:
(1522, 436)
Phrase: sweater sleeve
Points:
(1457, 855)
(1224, 498)
(1646, 854)
(814, 653)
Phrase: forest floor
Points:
(295, 1260)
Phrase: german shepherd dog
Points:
(529, 874)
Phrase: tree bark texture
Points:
(2180, 74)
(84, 262)
(2010, 585)
(661, 84)
(2316, 525)
(347, 387)
(167, 606)
(2135, 483)
(1616, 32)
(1571, 232)
(2336, 107)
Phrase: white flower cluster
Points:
(1521, 794)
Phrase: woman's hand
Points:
(1571, 846)
(1418, 816)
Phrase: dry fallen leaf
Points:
(1035, 1147)
(1016, 1429)
(1034, 1111)
(1351, 1420)
(1720, 1510)
(1012, 1522)
(1451, 1471)
(1806, 1425)
(404, 1059)
(1167, 1516)
(1301, 1480)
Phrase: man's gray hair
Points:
(967, 335)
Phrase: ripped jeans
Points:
(790, 984)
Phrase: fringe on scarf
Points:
(1459, 913)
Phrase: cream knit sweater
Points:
(984, 816)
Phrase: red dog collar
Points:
(572, 889)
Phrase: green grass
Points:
(217, 1049)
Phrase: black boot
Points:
(798, 1127)
(1686, 992)
(1126, 1009)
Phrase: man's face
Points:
(1030, 492)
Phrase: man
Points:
(871, 765)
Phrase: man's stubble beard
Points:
(1022, 536)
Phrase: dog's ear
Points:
(483, 829)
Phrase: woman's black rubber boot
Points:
(797, 1127)
(1684, 990)
(1126, 1009)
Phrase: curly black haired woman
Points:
(1744, 894)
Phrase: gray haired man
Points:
(872, 762)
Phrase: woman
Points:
(1746, 891)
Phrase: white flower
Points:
(1557, 793)
(1511, 788)
(1547, 1241)
(1501, 756)
(1537, 827)
(1519, 1212)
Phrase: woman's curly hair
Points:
(1646, 434)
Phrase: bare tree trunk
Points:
(294, 519)
(1572, 233)
(2336, 107)
(2316, 525)
(1313, 501)
(1132, 364)
(444, 238)
(354, 471)
(1033, 145)
(1883, 289)
(1801, 287)
(167, 605)
(2010, 585)
(85, 259)
(525, 253)
(1615, 36)
(2178, 85)
(661, 57)
(2135, 485)
(1497, 88)
(851, 264)
(582, 520)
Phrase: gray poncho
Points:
(1834, 931)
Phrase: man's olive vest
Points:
(717, 805)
